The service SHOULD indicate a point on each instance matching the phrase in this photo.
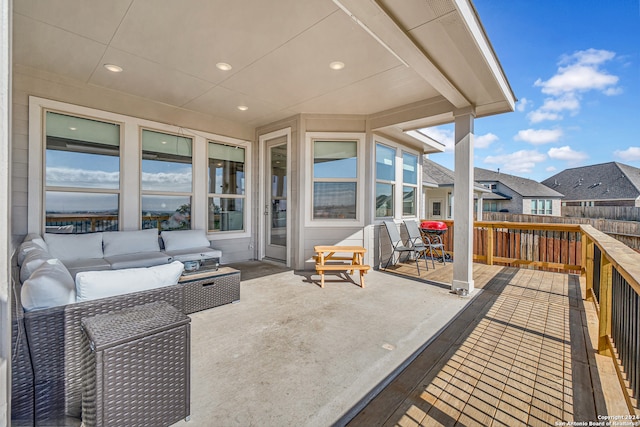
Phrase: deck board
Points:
(516, 356)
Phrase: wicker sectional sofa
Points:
(46, 362)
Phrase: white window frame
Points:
(41, 153)
(130, 166)
(168, 193)
(398, 211)
(310, 138)
(394, 183)
(544, 210)
(244, 197)
(415, 186)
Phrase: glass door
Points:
(276, 200)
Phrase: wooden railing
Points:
(612, 277)
(552, 247)
(86, 223)
(612, 272)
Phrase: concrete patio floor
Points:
(293, 354)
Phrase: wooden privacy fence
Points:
(612, 278)
(628, 232)
(552, 247)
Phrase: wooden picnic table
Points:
(354, 254)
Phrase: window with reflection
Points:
(385, 180)
(82, 174)
(226, 187)
(335, 174)
(410, 184)
(166, 180)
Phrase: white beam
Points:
(463, 207)
(374, 20)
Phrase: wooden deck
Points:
(520, 354)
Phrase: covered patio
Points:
(290, 125)
(518, 352)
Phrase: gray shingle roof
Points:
(523, 186)
(437, 175)
(604, 181)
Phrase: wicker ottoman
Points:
(207, 289)
(135, 367)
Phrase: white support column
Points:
(479, 207)
(463, 196)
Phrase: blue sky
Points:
(574, 67)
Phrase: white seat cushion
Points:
(91, 264)
(69, 247)
(130, 242)
(101, 284)
(193, 254)
(50, 285)
(143, 259)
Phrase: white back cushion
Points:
(50, 285)
(31, 262)
(130, 242)
(25, 248)
(101, 284)
(184, 239)
(70, 247)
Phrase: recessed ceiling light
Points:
(243, 107)
(223, 66)
(72, 128)
(164, 142)
(113, 68)
(336, 65)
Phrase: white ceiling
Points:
(280, 51)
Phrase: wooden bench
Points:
(328, 253)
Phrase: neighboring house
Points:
(437, 186)
(518, 195)
(604, 184)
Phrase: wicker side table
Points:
(136, 367)
(207, 289)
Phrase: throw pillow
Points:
(50, 285)
(184, 239)
(130, 242)
(31, 262)
(101, 284)
(71, 247)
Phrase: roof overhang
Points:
(409, 64)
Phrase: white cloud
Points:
(551, 169)
(582, 73)
(442, 135)
(577, 73)
(539, 136)
(566, 102)
(538, 116)
(589, 56)
(522, 161)
(522, 104)
(483, 141)
(631, 154)
(567, 154)
(69, 177)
